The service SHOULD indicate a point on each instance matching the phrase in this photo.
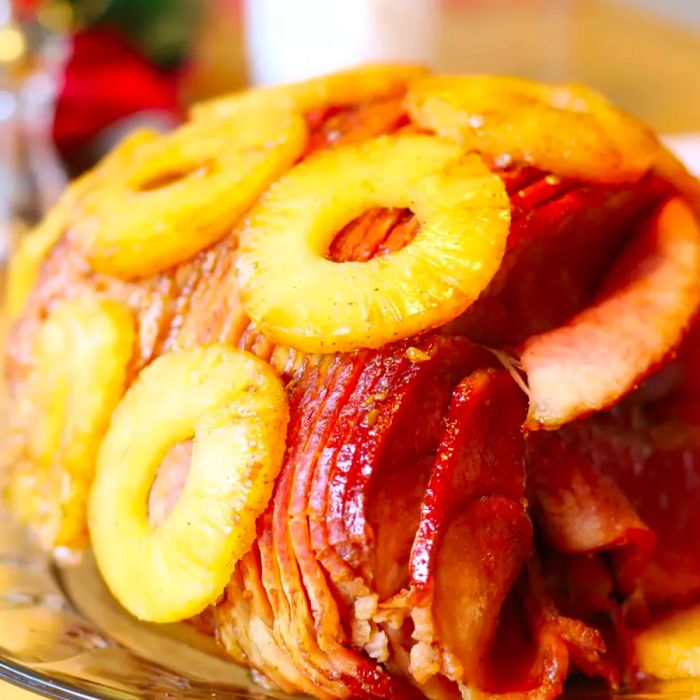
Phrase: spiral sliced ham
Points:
(419, 542)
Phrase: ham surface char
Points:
(398, 556)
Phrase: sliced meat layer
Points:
(481, 453)
(644, 309)
(564, 237)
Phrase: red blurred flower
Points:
(106, 79)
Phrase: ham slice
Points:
(644, 310)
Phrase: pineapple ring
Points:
(33, 248)
(564, 129)
(81, 356)
(185, 191)
(297, 297)
(235, 407)
(346, 87)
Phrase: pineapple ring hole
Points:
(169, 482)
(298, 297)
(379, 231)
(159, 181)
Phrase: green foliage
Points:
(162, 29)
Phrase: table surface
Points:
(667, 55)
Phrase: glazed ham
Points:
(419, 541)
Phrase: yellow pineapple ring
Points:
(564, 129)
(235, 408)
(184, 191)
(26, 261)
(299, 298)
(669, 648)
(342, 88)
(78, 375)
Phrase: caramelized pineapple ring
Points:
(564, 129)
(184, 191)
(26, 261)
(80, 360)
(343, 88)
(235, 408)
(669, 649)
(299, 298)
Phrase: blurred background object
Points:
(31, 176)
(77, 75)
(288, 41)
(124, 67)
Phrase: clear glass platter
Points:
(63, 636)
